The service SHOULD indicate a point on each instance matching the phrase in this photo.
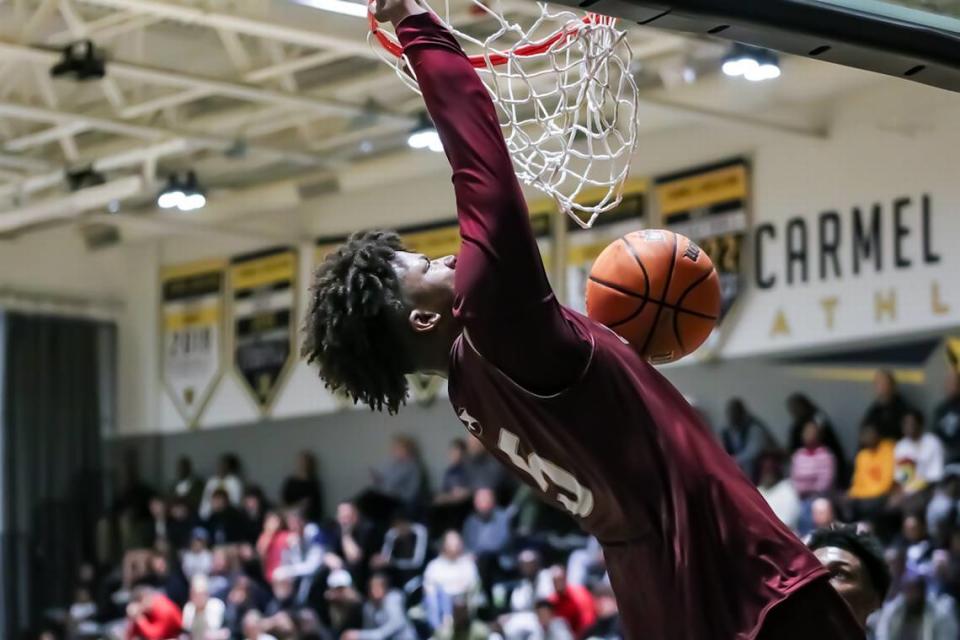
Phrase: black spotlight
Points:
(83, 178)
(82, 61)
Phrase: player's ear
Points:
(422, 320)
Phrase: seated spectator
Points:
(857, 568)
(452, 504)
(271, 544)
(572, 602)
(914, 615)
(802, 410)
(487, 535)
(744, 437)
(483, 471)
(778, 490)
(253, 627)
(944, 507)
(152, 616)
(449, 576)
(404, 550)
(253, 512)
(304, 555)
(180, 524)
(461, 625)
(302, 489)
(918, 456)
(552, 626)
(587, 566)
(225, 522)
(822, 514)
(197, 560)
(872, 474)
(228, 479)
(166, 579)
(243, 597)
(224, 570)
(188, 487)
(81, 621)
(384, 617)
(608, 625)
(399, 483)
(917, 545)
(888, 408)
(946, 417)
(158, 529)
(813, 469)
(203, 615)
(344, 608)
(353, 540)
(519, 597)
(284, 597)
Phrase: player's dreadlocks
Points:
(861, 544)
(351, 330)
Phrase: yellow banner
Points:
(197, 317)
(278, 267)
(702, 190)
(953, 352)
(192, 268)
(434, 243)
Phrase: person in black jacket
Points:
(802, 410)
(946, 418)
(888, 408)
(302, 489)
(226, 523)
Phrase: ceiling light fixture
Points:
(752, 64)
(183, 195)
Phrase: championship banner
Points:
(710, 205)
(953, 353)
(264, 294)
(584, 245)
(192, 326)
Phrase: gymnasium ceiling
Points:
(252, 94)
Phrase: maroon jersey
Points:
(692, 549)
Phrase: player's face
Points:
(427, 284)
(850, 579)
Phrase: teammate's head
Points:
(377, 313)
(857, 568)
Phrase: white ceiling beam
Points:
(240, 91)
(124, 159)
(237, 53)
(43, 13)
(250, 26)
(293, 65)
(107, 27)
(70, 206)
(119, 127)
(22, 163)
(40, 138)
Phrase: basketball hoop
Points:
(565, 96)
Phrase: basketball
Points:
(658, 290)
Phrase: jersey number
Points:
(546, 473)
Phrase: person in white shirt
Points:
(778, 490)
(918, 456)
(226, 478)
(252, 625)
(203, 615)
(453, 574)
(197, 560)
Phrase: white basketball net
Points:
(565, 96)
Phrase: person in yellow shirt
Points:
(872, 474)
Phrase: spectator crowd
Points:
(481, 557)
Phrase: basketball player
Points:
(692, 549)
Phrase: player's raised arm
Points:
(503, 296)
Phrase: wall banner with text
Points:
(711, 206)
(192, 325)
(264, 293)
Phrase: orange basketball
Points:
(658, 290)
